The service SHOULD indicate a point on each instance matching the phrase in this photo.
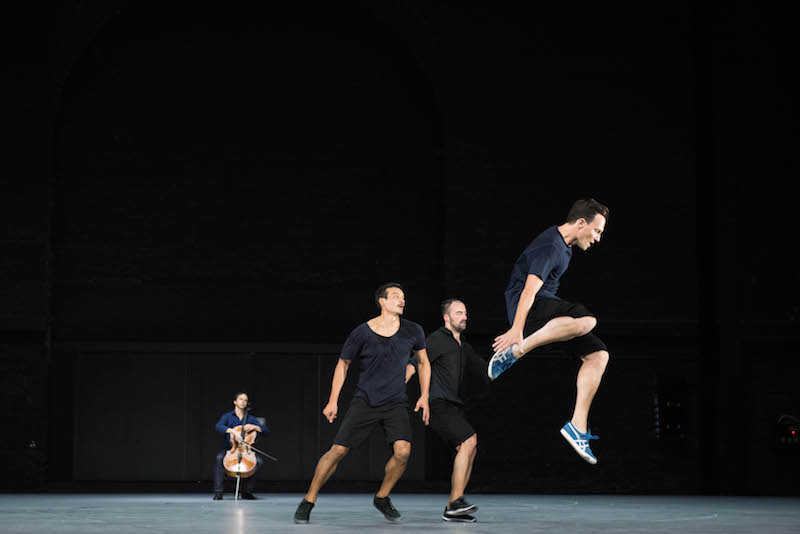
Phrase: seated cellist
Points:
(225, 426)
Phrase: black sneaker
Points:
(249, 497)
(218, 496)
(303, 511)
(460, 506)
(458, 518)
(386, 508)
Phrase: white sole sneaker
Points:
(496, 357)
(578, 448)
(459, 518)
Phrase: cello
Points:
(240, 461)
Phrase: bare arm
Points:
(410, 371)
(514, 335)
(532, 286)
(339, 374)
(424, 371)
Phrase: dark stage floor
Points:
(156, 513)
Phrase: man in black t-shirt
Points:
(383, 345)
(451, 358)
(538, 317)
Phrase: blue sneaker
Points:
(501, 360)
(579, 441)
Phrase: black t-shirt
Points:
(383, 361)
(547, 257)
(449, 361)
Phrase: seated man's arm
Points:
(254, 424)
(222, 426)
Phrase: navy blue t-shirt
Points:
(383, 361)
(548, 258)
(230, 420)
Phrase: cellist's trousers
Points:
(247, 485)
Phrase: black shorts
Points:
(449, 422)
(545, 309)
(361, 419)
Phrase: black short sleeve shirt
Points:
(547, 257)
(383, 361)
(449, 361)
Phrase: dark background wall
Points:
(204, 200)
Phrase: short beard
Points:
(457, 328)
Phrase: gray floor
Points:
(509, 514)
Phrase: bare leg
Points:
(462, 467)
(589, 376)
(395, 467)
(325, 468)
(556, 329)
(471, 462)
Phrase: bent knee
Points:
(402, 450)
(584, 325)
(338, 451)
(601, 357)
(471, 443)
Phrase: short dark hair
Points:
(240, 393)
(447, 302)
(586, 208)
(380, 293)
